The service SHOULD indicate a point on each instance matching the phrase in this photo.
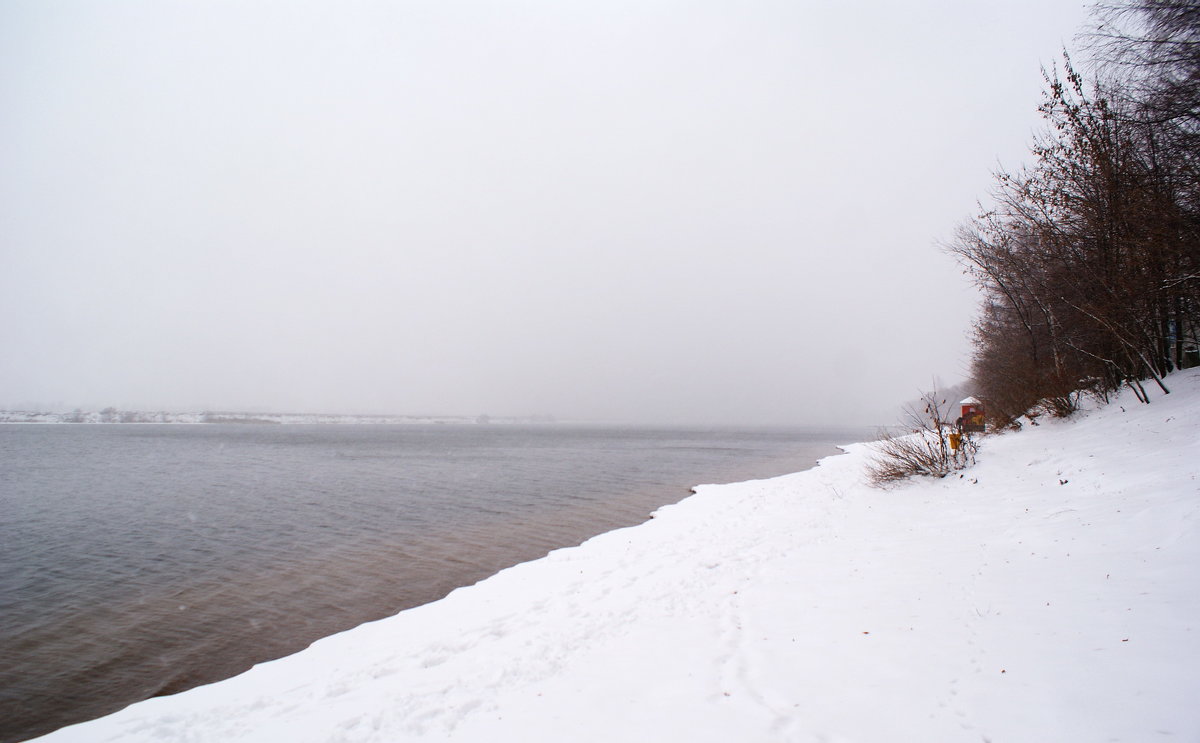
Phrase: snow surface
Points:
(1049, 594)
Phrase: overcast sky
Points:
(645, 210)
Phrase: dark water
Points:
(142, 560)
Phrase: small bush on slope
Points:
(926, 450)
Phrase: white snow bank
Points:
(1050, 594)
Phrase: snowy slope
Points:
(1050, 594)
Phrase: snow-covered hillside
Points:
(1051, 593)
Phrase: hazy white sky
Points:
(648, 210)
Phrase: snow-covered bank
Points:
(1051, 593)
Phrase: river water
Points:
(138, 560)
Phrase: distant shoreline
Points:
(111, 416)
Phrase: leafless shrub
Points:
(924, 446)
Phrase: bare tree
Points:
(1089, 260)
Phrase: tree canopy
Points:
(1089, 258)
